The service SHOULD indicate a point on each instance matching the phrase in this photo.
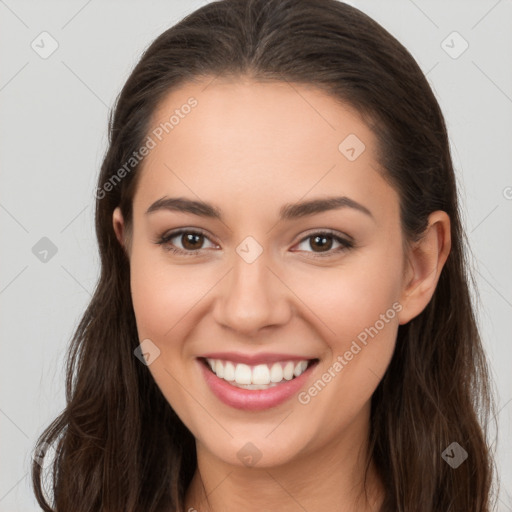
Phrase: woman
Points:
(282, 320)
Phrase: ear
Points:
(426, 259)
(119, 228)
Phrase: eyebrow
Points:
(287, 212)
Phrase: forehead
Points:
(241, 143)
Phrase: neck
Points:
(330, 478)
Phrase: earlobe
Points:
(425, 262)
(118, 223)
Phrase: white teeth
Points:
(300, 368)
(219, 369)
(229, 371)
(288, 371)
(253, 386)
(261, 376)
(242, 374)
(276, 373)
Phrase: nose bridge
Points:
(252, 296)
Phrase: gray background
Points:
(53, 136)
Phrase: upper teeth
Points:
(260, 374)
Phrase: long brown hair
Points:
(118, 444)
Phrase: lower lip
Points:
(257, 399)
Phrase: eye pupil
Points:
(321, 240)
(190, 238)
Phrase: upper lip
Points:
(254, 359)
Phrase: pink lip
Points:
(253, 400)
(254, 359)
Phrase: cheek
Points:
(347, 298)
(163, 294)
(163, 299)
(352, 296)
(153, 300)
(360, 309)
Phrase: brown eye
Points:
(191, 241)
(321, 243)
(324, 243)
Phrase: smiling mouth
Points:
(257, 377)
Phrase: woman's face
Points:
(267, 280)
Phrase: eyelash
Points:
(164, 239)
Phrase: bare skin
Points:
(250, 147)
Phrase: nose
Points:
(252, 297)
